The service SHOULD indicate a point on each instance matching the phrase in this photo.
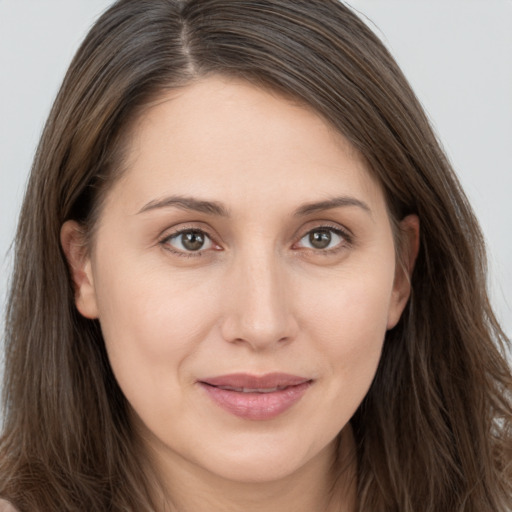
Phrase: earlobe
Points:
(75, 250)
(408, 252)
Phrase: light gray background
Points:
(456, 53)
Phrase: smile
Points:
(256, 397)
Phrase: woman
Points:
(247, 279)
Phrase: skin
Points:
(258, 297)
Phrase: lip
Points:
(256, 397)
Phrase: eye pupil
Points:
(193, 240)
(320, 239)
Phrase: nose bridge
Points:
(260, 308)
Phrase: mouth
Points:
(256, 397)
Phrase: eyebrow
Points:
(187, 203)
(216, 208)
(329, 204)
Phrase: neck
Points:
(327, 483)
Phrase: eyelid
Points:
(344, 233)
(176, 232)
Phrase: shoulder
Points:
(5, 506)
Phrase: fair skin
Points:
(290, 267)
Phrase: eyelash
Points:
(164, 242)
(346, 241)
(345, 235)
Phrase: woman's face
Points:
(243, 272)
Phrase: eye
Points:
(323, 238)
(189, 241)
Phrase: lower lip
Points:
(256, 406)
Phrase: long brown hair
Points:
(434, 433)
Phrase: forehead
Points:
(231, 139)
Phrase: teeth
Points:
(269, 390)
(252, 390)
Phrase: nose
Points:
(258, 302)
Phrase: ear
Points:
(72, 240)
(407, 253)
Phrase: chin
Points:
(267, 462)
(258, 471)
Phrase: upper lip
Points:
(245, 381)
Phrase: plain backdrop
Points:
(457, 55)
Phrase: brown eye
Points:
(193, 241)
(190, 241)
(320, 239)
(323, 239)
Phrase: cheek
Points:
(352, 305)
(348, 321)
(150, 323)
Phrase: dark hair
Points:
(434, 432)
